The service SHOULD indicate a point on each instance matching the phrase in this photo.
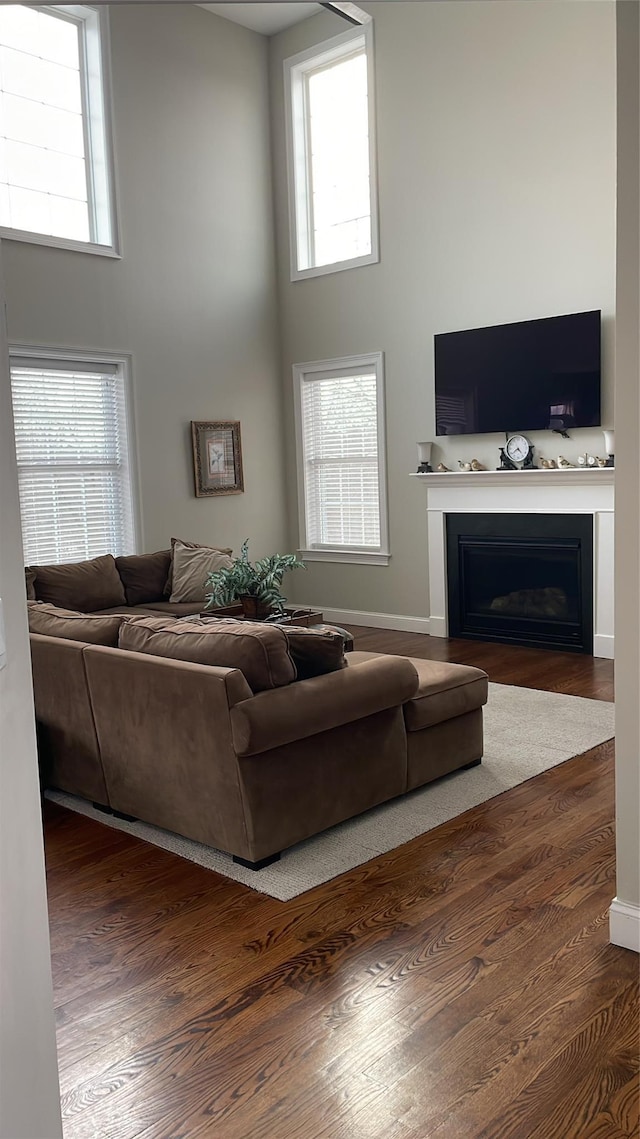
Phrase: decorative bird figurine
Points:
(441, 467)
(548, 464)
(464, 466)
(563, 463)
(477, 466)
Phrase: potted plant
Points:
(256, 585)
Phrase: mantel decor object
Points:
(424, 458)
(610, 447)
(217, 457)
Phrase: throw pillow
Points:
(260, 652)
(144, 576)
(315, 651)
(50, 621)
(81, 586)
(191, 567)
(191, 546)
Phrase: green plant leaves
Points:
(261, 580)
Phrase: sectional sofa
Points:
(246, 737)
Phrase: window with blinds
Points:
(55, 161)
(331, 154)
(74, 466)
(339, 407)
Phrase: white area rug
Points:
(526, 732)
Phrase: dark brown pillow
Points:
(260, 652)
(144, 576)
(315, 651)
(30, 578)
(81, 586)
(50, 621)
(168, 589)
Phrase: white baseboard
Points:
(374, 620)
(624, 925)
(603, 645)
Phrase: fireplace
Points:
(522, 579)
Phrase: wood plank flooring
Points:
(460, 987)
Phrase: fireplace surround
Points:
(589, 492)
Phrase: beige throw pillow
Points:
(191, 568)
(190, 546)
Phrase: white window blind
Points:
(331, 155)
(341, 460)
(73, 461)
(54, 160)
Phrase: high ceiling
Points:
(267, 18)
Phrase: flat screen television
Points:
(530, 376)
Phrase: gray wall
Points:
(496, 173)
(192, 298)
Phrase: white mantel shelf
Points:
(570, 490)
(567, 476)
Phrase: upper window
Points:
(74, 458)
(341, 461)
(330, 137)
(55, 168)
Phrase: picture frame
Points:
(217, 457)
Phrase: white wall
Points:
(496, 164)
(625, 914)
(29, 1106)
(193, 297)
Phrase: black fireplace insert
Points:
(522, 579)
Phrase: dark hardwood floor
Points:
(460, 987)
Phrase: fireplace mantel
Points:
(573, 490)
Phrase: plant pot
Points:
(252, 608)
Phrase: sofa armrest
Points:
(307, 707)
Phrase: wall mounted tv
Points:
(529, 376)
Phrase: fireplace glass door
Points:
(521, 579)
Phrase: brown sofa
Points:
(249, 768)
(135, 583)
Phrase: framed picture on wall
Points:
(217, 457)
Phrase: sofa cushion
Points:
(50, 621)
(81, 586)
(190, 569)
(315, 651)
(144, 576)
(446, 691)
(260, 652)
(191, 546)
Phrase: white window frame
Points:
(28, 352)
(296, 118)
(97, 119)
(303, 373)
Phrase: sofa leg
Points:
(125, 818)
(260, 864)
(474, 763)
(102, 807)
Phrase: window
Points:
(55, 183)
(331, 158)
(341, 469)
(74, 458)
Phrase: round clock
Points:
(518, 448)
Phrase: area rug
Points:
(526, 732)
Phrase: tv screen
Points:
(530, 376)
